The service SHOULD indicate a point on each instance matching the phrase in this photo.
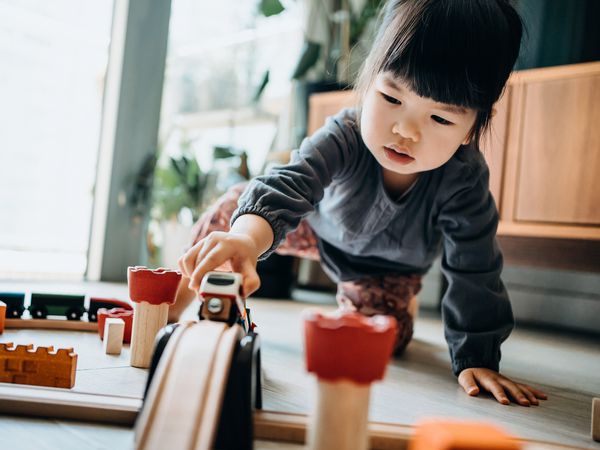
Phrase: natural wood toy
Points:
(114, 329)
(116, 313)
(347, 351)
(461, 435)
(596, 419)
(42, 366)
(2, 316)
(152, 291)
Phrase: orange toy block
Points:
(40, 367)
(461, 435)
(2, 316)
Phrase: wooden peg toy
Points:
(2, 316)
(152, 291)
(41, 367)
(596, 419)
(114, 329)
(347, 352)
(126, 315)
(464, 435)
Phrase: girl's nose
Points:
(407, 129)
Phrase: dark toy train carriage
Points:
(15, 304)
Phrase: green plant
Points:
(178, 183)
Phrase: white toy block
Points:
(114, 330)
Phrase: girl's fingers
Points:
(530, 396)
(214, 258)
(468, 383)
(515, 391)
(491, 385)
(538, 394)
(251, 278)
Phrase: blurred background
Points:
(121, 121)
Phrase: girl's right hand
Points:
(216, 249)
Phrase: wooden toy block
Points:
(347, 351)
(596, 419)
(114, 329)
(152, 291)
(42, 366)
(2, 316)
(126, 315)
(461, 435)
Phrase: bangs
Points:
(452, 51)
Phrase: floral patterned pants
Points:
(391, 294)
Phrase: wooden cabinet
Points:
(543, 150)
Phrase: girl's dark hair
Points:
(459, 52)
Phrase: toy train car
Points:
(15, 304)
(70, 306)
(221, 296)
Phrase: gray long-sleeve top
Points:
(335, 183)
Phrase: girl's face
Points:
(408, 134)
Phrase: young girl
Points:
(380, 190)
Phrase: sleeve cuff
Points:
(277, 225)
(458, 365)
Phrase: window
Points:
(54, 57)
(218, 57)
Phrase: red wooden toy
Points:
(152, 291)
(117, 313)
(347, 352)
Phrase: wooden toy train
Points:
(65, 305)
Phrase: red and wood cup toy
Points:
(152, 291)
(347, 352)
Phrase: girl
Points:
(380, 190)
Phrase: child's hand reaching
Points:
(216, 250)
(250, 236)
(499, 386)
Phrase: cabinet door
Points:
(493, 143)
(558, 177)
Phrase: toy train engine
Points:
(221, 296)
(69, 306)
(15, 304)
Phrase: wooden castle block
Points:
(114, 330)
(41, 367)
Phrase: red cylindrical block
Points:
(152, 286)
(348, 345)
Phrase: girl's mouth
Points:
(397, 156)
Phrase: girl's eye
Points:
(391, 100)
(441, 120)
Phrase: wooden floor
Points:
(418, 385)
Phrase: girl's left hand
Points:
(499, 386)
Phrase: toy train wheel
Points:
(15, 313)
(39, 312)
(73, 314)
